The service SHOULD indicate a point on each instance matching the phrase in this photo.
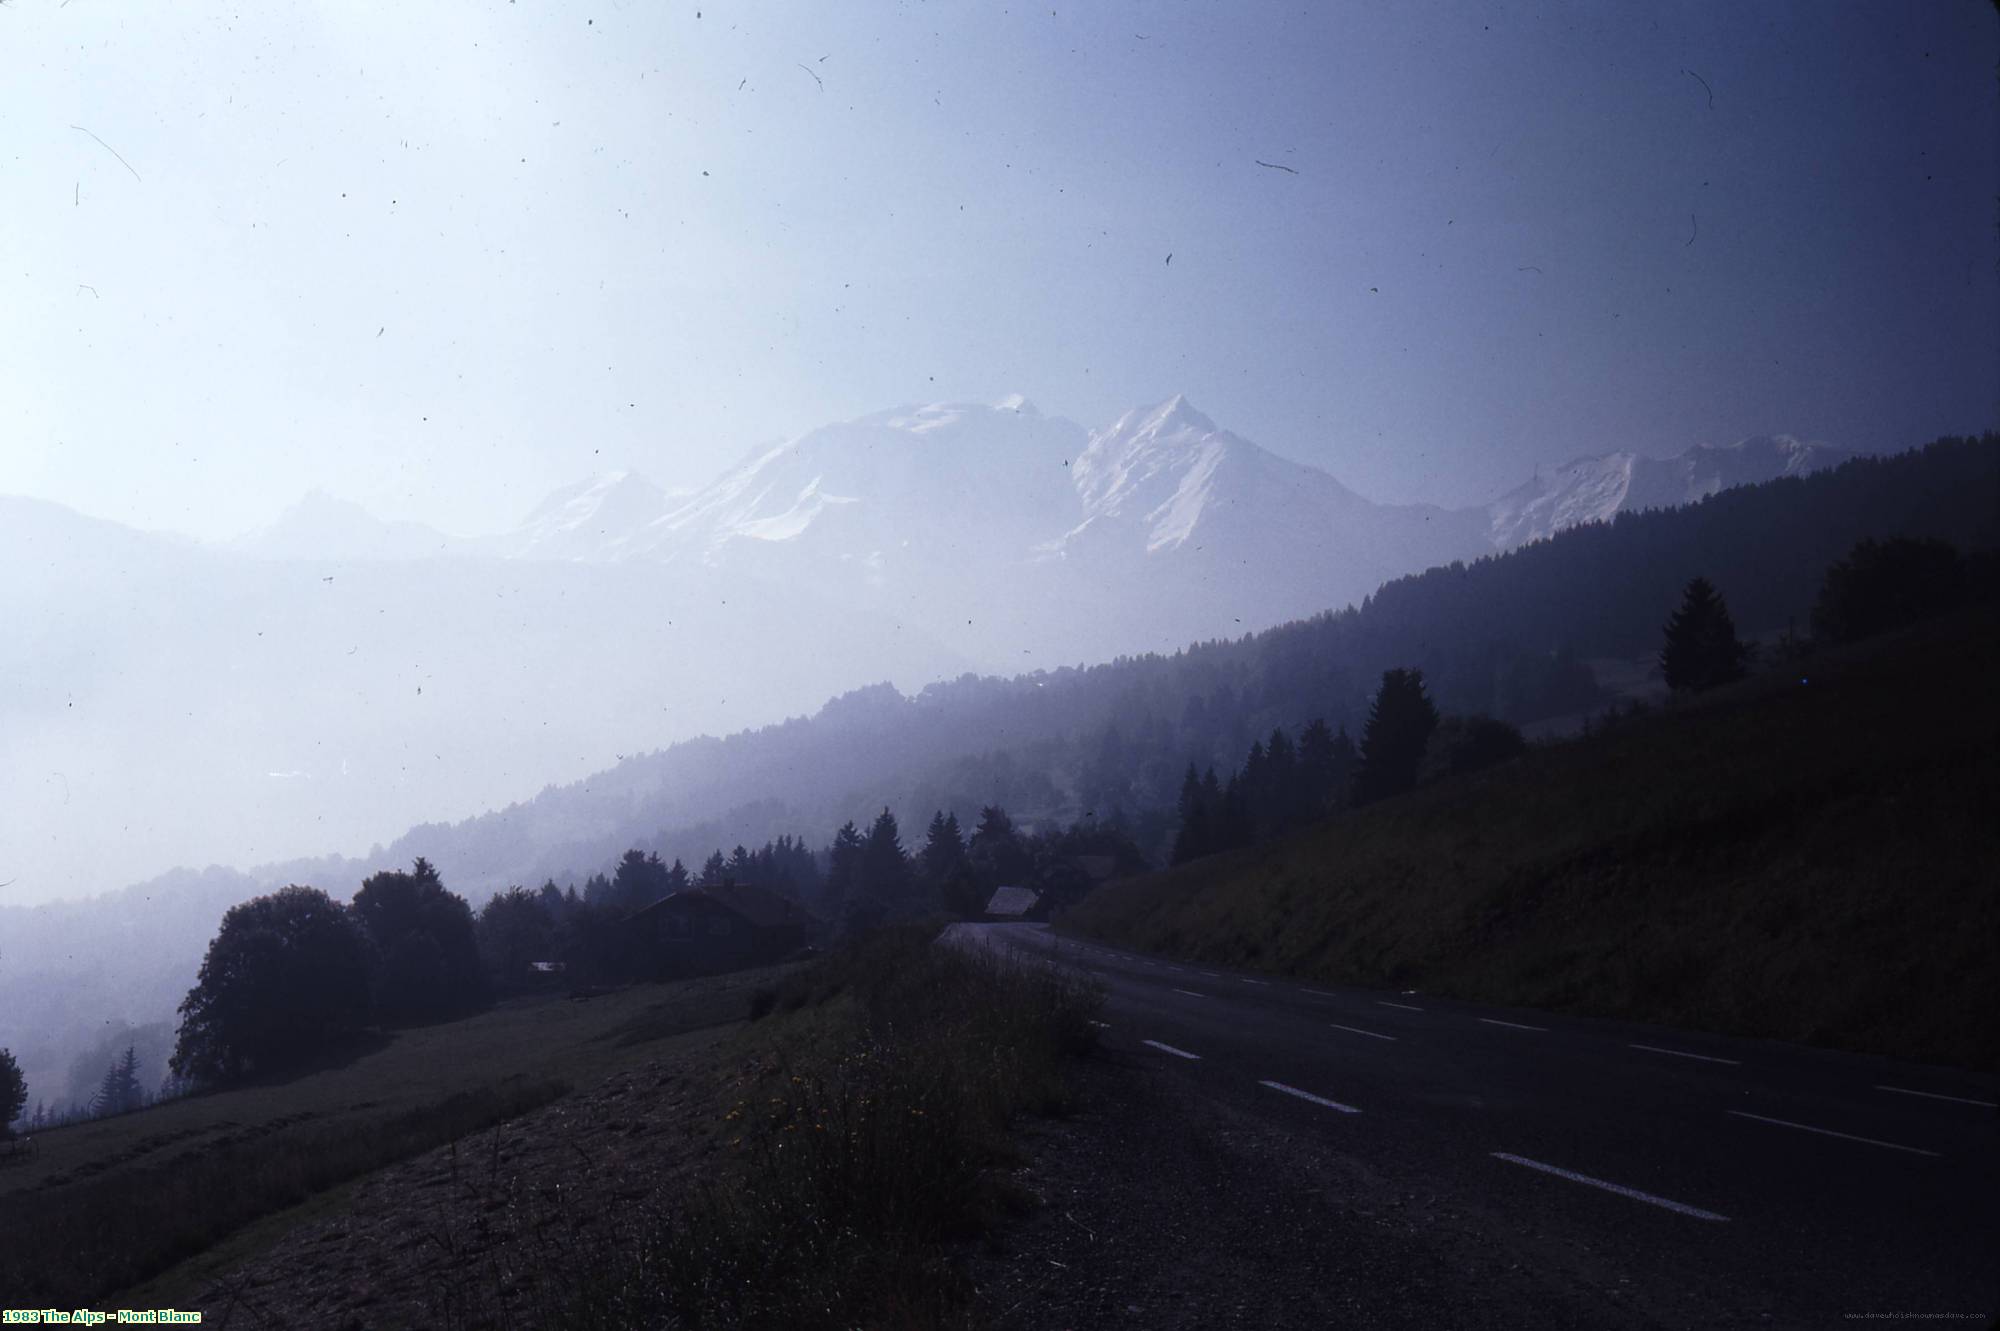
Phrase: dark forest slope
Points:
(1807, 856)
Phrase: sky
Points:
(443, 258)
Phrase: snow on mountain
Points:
(1595, 489)
(321, 526)
(959, 481)
(594, 520)
(1006, 534)
(1237, 534)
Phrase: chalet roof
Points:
(1012, 901)
(758, 906)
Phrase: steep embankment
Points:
(1808, 856)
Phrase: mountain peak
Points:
(1175, 416)
(320, 525)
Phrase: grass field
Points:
(866, 1142)
(1809, 855)
(103, 1207)
(836, 1132)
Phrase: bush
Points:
(1463, 744)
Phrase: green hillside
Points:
(1810, 855)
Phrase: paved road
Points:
(1779, 1184)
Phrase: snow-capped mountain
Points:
(966, 483)
(321, 526)
(594, 520)
(1012, 534)
(1262, 535)
(1595, 489)
(1015, 538)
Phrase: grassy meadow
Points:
(1807, 855)
(118, 1205)
(853, 1115)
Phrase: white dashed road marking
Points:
(1319, 993)
(1190, 993)
(1169, 1049)
(1308, 1095)
(1356, 1030)
(1829, 1132)
(1682, 1053)
(1619, 1188)
(1495, 1021)
(1383, 1002)
(1247, 980)
(1933, 1095)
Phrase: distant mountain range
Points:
(1059, 543)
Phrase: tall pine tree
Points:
(120, 1091)
(885, 868)
(1400, 722)
(1701, 649)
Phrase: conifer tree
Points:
(1281, 801)
(1192, 840)
(1234, 825)
(120, 1091)
(13, 1091)
(1701, 649)
(944, 849)
(885, 868)
(1400, 722)
(843, 869)
(1317, 767)
(998, 852)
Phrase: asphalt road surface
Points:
(1752, 1181)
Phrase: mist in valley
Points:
(515, 468)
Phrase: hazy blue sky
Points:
(440, 258)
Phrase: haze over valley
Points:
(334, 677)
(819, 666)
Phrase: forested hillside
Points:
(1504, 636)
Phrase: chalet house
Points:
(709, 930)
(1015, 903)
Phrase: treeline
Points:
(1505, 636)
(1282, 786)
(1877, 587)
(294, 973)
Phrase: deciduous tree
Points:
(286, 974)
